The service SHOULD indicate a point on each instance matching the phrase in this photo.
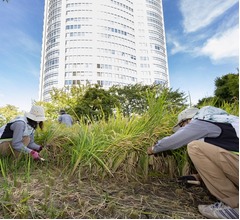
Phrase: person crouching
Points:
(17, 136)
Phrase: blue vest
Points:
(8, 133)
(228, 138)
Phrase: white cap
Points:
(184, 115)
(36, 113)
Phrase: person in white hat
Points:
(212, 139)
(17, 136)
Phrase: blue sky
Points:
(202, 44)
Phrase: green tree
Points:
(227, 87)
(96, 104)
(7, 113)
(134, 98)
(205, 101)
(176, 98)
(66, 98)
(226, 90)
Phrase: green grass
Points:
(108, 148)
(118, 146)
(113, 149)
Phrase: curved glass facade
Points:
(114, 42)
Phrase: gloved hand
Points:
(35, 155)
(40, 148)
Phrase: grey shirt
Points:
(195, 130)
(65, 119)
(18, 128)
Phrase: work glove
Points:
(35, 155)
(40, 148)
(45, 147)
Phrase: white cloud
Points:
(225, 45)
(219, 42)
(176, 46)
(201, 13)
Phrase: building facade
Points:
(107, 42)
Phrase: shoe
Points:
(219, 210)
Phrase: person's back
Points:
(65, 118)
(212, 139)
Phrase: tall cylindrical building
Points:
(109, 42)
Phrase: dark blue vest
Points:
(228, 138)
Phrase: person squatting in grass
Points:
(65, 118)
(212, 139)
(17, 136)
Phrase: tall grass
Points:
(115, 147)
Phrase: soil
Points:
(56, 196)
(160, 199)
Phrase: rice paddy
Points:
(102, 170)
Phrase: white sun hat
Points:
(184, 115)
(36, 113)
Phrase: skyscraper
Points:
(107, 42)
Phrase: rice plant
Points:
(109, 147)
(113, 149)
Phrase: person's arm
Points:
(18, 128)
(32, 145)
(70, 119)
(59, 118)
(195, 130)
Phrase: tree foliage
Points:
(132, 98)
(66, 98)
(95, 104)
(92, 102)
(226, 90)
(176, 98)
(227, 87)
(7, 113)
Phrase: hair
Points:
(35, 124)
(62, 112)
(40, 125)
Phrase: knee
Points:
(193, 148)
(5, 148)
